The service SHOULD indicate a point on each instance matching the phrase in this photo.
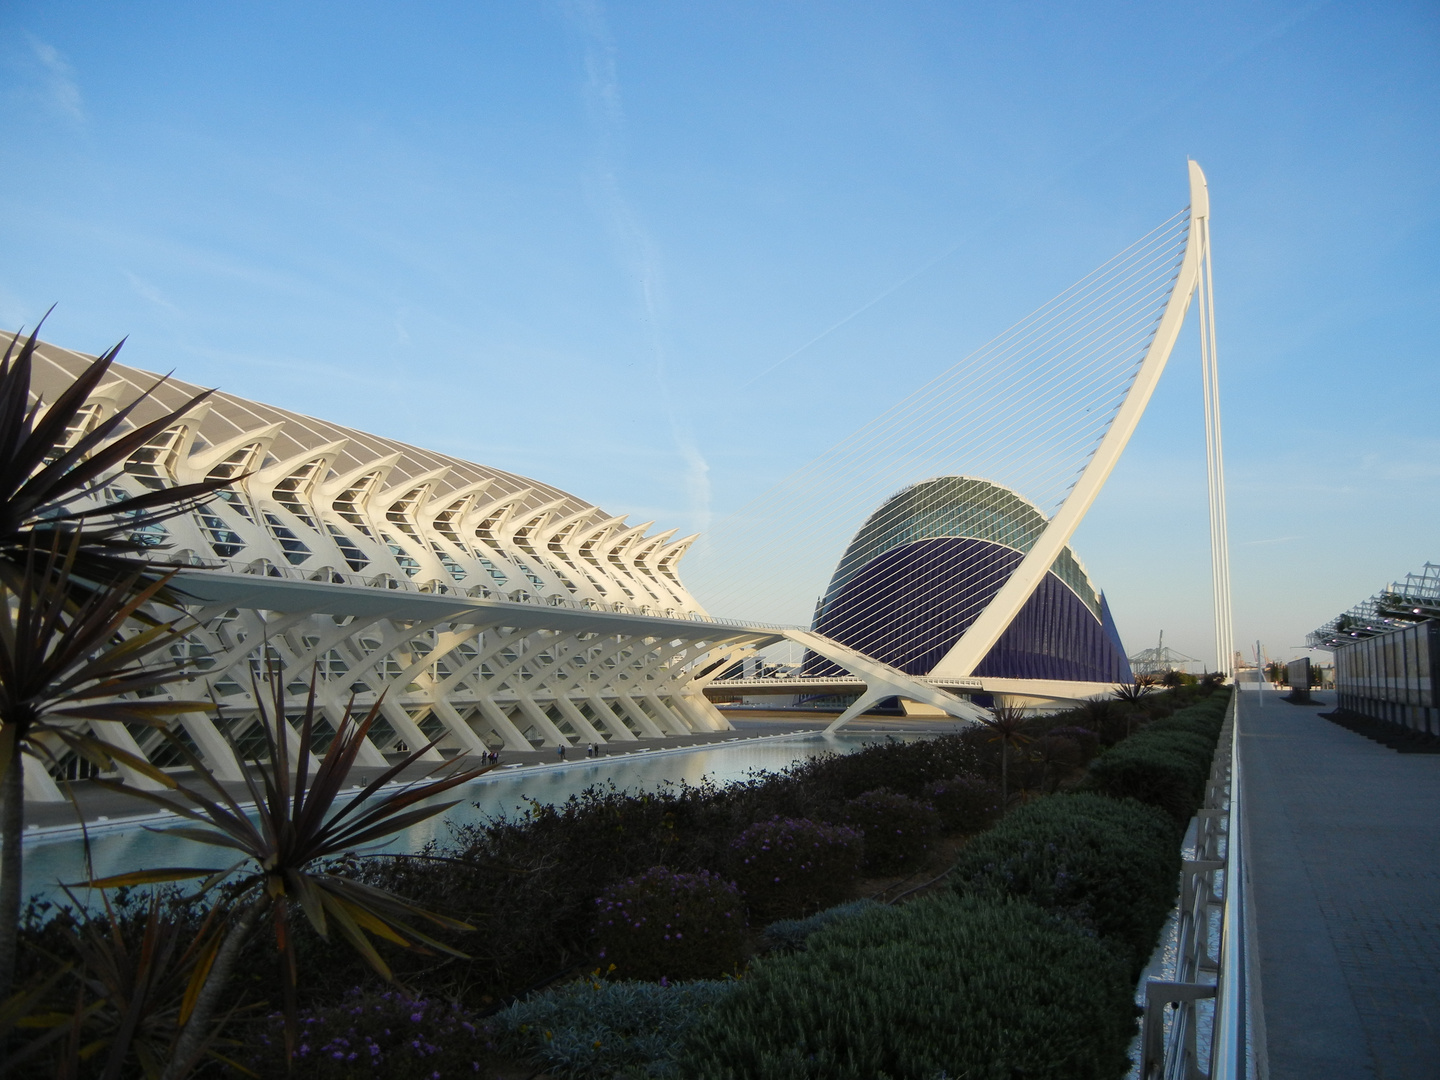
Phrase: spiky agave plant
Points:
(52, 499)
(64, 660)
(1131, 695)
(50, 485)
(299, 823)
(138, 977)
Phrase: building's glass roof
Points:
(957, 506)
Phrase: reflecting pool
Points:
(502, 791)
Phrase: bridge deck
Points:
(1345, 867)
(850, 684)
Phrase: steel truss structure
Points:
(1399, 604)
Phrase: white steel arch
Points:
(1193, 277)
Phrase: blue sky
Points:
(662, 254)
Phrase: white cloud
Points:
(59, 88)
(147, 291)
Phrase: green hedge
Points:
(1166, 764)
(592, 1030)
(982, 989)
(1111, 864)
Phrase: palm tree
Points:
(282, 853)
(1008, 724)
(62, 651)
(63, 660)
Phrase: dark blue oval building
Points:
(925, 565)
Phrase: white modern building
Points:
(490, 610)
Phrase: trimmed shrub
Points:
(940, 987)
(897, 830)
(1110, 864)
(788, 867)
(674, 926)
(601, 1029)
(390, 1036)
(896, 766)
(965, 803)
(1166, 777)
(1166, 764)
(787, 934)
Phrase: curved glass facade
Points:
(926, 564)
(957, 506)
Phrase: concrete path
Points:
(1345, 867)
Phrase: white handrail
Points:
(1228, 1055)
(1214, 878)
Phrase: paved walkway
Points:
(1345, 866)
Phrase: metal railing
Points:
(1208, 1034)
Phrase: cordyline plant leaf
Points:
(63, 660)
(135, 980)
(68, 656)
(28, 1010)
(298, 822)
(53, 474)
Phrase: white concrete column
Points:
(504, 726)
(40, 786)
(612, 722)
(553, 735)
(214, 747)
(640, 716)
(410, 731)
(578, 720)
(117, 734)
(700, 708)
(369, 754)
(470, 742)
(677, 725)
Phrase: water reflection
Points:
(117, 852)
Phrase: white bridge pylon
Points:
(1193, 277)
(1092, 356)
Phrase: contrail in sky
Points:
(637, 248)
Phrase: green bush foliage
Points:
(785, 934)
(965, 803)
(674, 926)
(1167, 763)
(788, 867)
(538, 874)
(897, 830)
(589, 1030)
(531, 882)
(1110, 864)
(941, 987)
(388, 1036)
